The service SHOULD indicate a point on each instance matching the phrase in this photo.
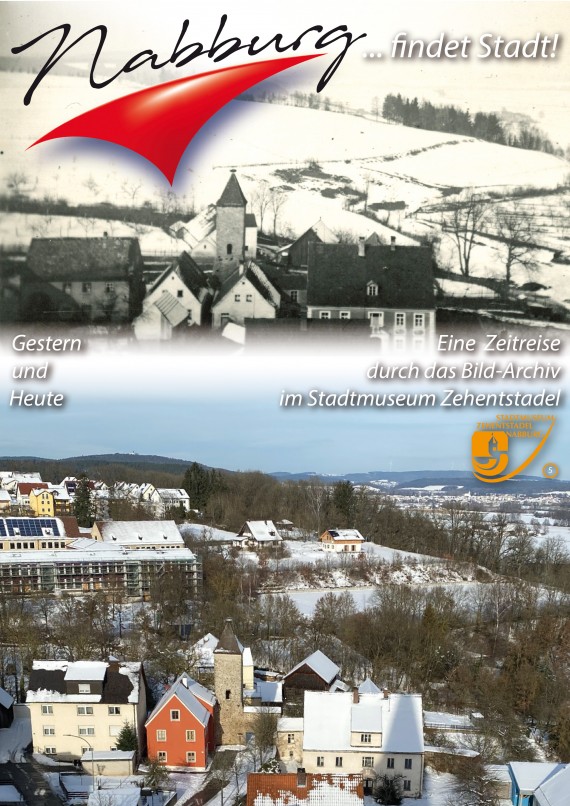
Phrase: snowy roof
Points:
(125, 796)
(6, 700)
(554, 791)
(86, 670)
(98, 551)
(401, 721)
(49, 678)
(344, 534)
(269, 691)
(186, 691)
(108, 755)
(339, 685)
(529, 775)
(138, 532)
(290, 723)
(9, 794)
(366, 717)
(286, 789)
(368, 687)
(320, 664)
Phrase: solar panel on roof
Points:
(3, 532)
(31, 527)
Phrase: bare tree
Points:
(260, 200)
(464, 220)
(16, 181)
(515, 230)
(276, 202)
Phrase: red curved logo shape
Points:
(159, 122)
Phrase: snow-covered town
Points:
(153, 653)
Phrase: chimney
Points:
(392, 243)
(361, 247)
(301, 777)
(355, 696)
(241, 269)
(386, 694)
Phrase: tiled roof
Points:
(292, 789)
(26, 488)
(228, 641)
(337, 276)
(172, 310)
(189, 272)
(232, 195)
(182, 690)
(83, 258)
(320, 664)
(236, 276)
(250, 220)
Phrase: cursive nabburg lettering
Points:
(184, 52)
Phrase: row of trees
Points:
(449, 118)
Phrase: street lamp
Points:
(83, 739)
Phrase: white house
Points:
(80, 706)
(246, 294)
(341, 540)
(259, 534)
(376, 733)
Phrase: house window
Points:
(399, 343)
(390, 763)
(180, 293)
(407, 785)
(368, 761)
(84, 688)
(418, 343)
(365, 738)
(320, 761)
(84, 710)
(338, 761)
(237, 298)
(419, 320)
(86, 288)
(49, 730)
(109, 288)
(190, 735)
(190, 757)
(294, 296)
(160, 735)
(345, 314)
(114, 710)
(407, 763)
(114, 730)
(174, 716)
(290, 738)
(86, 730)
(400, 320)
(372, 290)
(50, 751)
(325, 315)
(376, 318)
(47, 709)
(229, 249)
(249, 297)
(161, 756)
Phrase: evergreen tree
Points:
(127, 738)
(83, 507)
(156, 776)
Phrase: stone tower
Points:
(230, 225)
(228, 687)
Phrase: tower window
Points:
(228, 694)
(229, 249)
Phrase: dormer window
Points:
(372, 289)
(84, 688)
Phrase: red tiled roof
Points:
(284, 787)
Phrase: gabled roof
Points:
(261, 531)
(25, 488)
(250, 220)
(186, 691)
(83, 258)
(529, 775)
(337, 276)
(343, 534)
(368, 687)
(287, 789)
(320, 664)
(252, 273)
(232, 195)
(189, 272)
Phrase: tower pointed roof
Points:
(228, 642)
(232, 195)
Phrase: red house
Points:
(180, 730)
